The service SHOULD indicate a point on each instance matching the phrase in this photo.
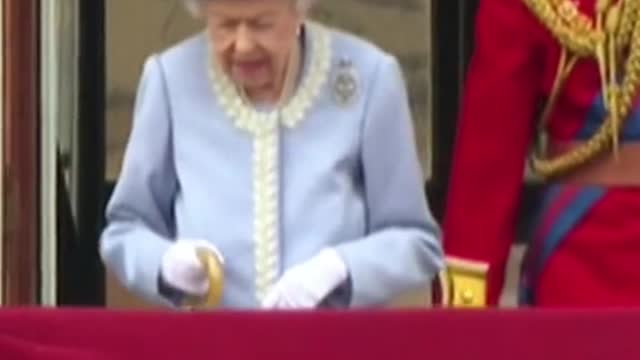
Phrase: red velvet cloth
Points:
(15, 348)
(37, 334)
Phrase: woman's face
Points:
(253, 39)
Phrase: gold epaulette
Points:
(465, 284)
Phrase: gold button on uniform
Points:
(467, 297)
(468, 283)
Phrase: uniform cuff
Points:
(468, 282)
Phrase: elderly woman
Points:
(286, 149)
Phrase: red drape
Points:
(70, 334)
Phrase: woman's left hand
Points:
(304, 286)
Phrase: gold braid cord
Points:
(613, 39)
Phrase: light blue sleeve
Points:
(402, 250)
(140, 225)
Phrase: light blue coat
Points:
(336, 168)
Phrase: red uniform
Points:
(585, 243)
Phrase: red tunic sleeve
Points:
(496, 129)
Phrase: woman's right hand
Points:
(182, 270)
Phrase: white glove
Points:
(304, 286)
(181, 268)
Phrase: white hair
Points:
(195, 6)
